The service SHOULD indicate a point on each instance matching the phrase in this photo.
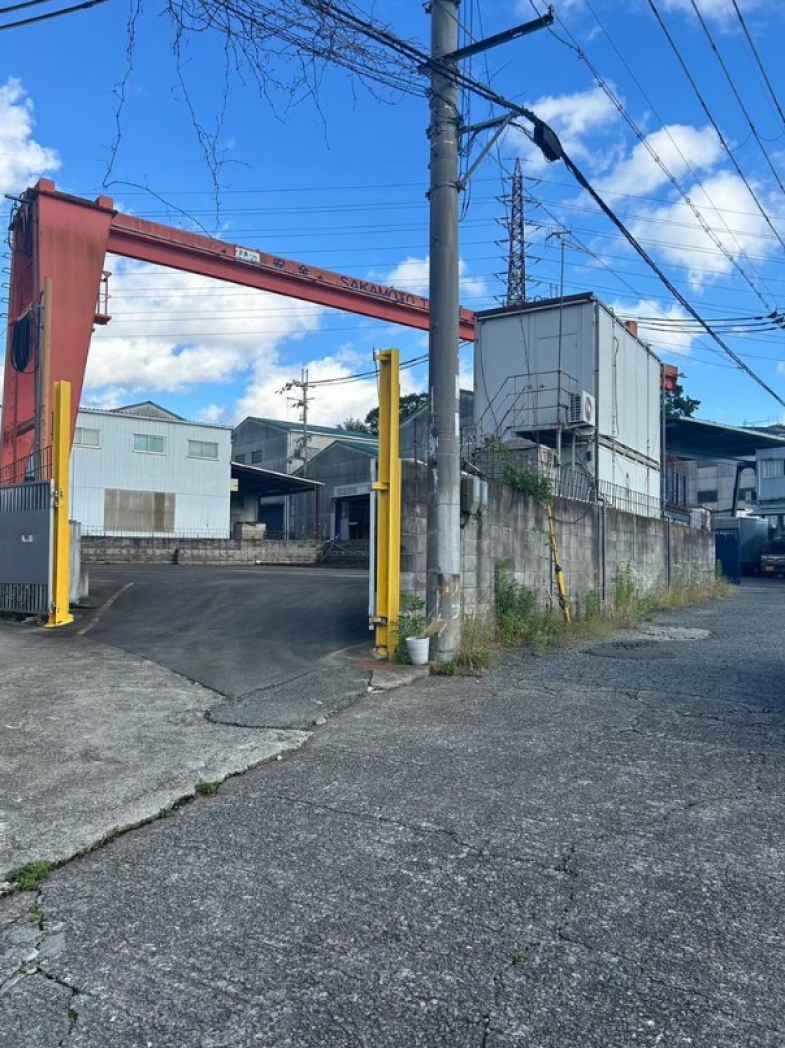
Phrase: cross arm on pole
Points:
(501, 38)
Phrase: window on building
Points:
(240, 458)
(771, 468)
(85, 438)
(707, 495)
(746, 494)
(256, 456)
(202, 449)
(151, 444)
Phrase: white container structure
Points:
(569, 375)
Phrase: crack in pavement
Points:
(667, 984)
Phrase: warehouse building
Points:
(141, 470)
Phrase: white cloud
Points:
(717, 10)
(214, 413)
(173, 331)
(22, 159)
(328, 405)
(674, 233)
(413, 275)
(578, 119)
(680, 147)
(663, 338)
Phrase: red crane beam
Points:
(66, 239)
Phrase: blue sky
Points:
(336, 177)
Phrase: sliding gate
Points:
(26, 544)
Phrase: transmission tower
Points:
(516, 264)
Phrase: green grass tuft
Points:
(28, 877)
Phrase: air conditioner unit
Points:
(582, 411)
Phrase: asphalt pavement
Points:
(259, 637)
(582, 848)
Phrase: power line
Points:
(758, 59)
(712, 121)
(685, 304)
(573, 45)
(51, 14)
(19, 7)
(736, 94)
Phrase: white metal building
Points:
(141, 470)
(570, 376)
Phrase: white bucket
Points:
(418, 649)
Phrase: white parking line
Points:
(104, 608)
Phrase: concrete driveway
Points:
(155, 686)
(254, 635)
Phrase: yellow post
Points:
(388, 486)
(564, 602)
(61, 451)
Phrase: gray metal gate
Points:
(26, 530)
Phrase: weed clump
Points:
(28, 877)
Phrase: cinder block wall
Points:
(595, 544)
(108, 550)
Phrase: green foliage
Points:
(207, 789)
(518, 474)
(411, 622)
(525, 480)
(517, 617)
(592, 606)
(353, 425)
(28, 877)
(677, 405)
(407, 406)
(477, 645)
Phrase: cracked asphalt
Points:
(579, 849)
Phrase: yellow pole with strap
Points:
(564, 601)
(61, 451)
(388, 489)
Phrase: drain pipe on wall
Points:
(601, 549)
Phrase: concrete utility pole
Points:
(304, 405)
(443, 553)
(443, 566)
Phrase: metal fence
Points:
(194, 535)
(630, 501)
(37, 466)
(571, 482)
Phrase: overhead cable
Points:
(736, 95)
(712, 121)
(573, 45)
(758, 59)
(52, 14)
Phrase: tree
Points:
(677, 404)
(409, 404)
(354, 425)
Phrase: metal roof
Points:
(252, 480)
(691, 438)
(352, 435)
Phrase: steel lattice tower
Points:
(516, 263)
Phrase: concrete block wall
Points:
(110, 550)
(595, 545)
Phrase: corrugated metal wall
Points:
(191, 493)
